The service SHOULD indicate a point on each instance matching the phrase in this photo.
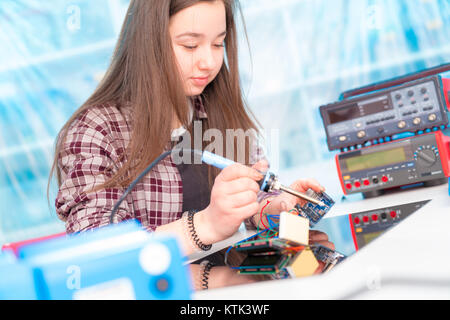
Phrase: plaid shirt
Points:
(94, 143)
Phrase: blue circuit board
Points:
(313, 212)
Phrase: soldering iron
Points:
(269, 183)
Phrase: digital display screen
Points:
(344, 114)
(376, 159)
(370, 236)
(359, 109)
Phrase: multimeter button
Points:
(361, 134)
(384, 216)
(375, 180)
(366, 182)
(357, 184)
(432, 117)
(374, 217)
(348, 186)
(366, 219)
(401, 124)
(393, 214)
(357, 220)
(342, 138)
(417, 121)
(384, 179)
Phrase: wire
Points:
(261, 215)
(143, 174)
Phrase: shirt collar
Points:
(199, 108)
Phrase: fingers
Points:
(237, 171)
(243, 199)
(320, 267)
(248, 211)
(321, 238)
(261, 166)
(328, 244)
(241, 184)
(315, 236)
(305, 184)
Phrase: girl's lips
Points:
(200, 81)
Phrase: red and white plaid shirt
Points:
(95, 142)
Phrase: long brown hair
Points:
(143, 72)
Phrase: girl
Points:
(167, 72)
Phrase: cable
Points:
(143, 174)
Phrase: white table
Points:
(409, 261)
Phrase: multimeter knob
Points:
(425, 157)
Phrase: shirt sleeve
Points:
(86, 160)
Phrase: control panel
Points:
(368, 225)
(369, 119)
(418, 159)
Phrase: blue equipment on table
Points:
(119, 261)
(16, 279)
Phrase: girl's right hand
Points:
(233, 200)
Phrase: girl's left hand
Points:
(286, 201)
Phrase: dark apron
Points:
(197, 195)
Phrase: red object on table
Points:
(15, 246)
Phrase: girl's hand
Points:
(286, 201)
(233, 199)
(319, 237)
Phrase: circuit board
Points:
(327, 256)
(313, 212)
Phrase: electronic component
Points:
(314, 212)
(264, 255)
(282, 251)
(304, 264)
(267, 263)
(294, 228)
(419, 159)
(369, 118)
(328, 256)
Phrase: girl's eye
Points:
(219, 45)
(190, 47)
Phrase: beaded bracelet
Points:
(192, 234)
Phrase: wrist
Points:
(194, 231)
(205, 228)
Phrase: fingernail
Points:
(257, 175)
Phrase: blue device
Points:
(16, 279)
(120, 261)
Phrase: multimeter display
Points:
(374, 160)
(360, 109)
(371, 236)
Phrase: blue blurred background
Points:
(303, 54)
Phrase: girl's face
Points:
(198, 33)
